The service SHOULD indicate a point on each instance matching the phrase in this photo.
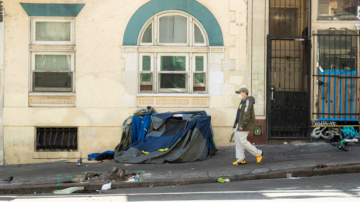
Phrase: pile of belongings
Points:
(171, 137)
(101, 156)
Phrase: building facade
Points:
(74, 70)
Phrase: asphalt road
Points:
(318, 188)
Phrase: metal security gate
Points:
(288, 81)
(336, 76)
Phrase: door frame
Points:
(268, 85)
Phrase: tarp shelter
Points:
(173, 137)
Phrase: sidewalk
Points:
(300, 159)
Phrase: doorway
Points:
(288, 70)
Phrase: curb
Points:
(299, 172)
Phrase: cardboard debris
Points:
(68, 190)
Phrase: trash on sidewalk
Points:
(135, 178)
(83, 161)
(67, 182)
(221, 180)
(115, 175)
(289, 176)
(9, 179)
(79, 162)
(88, 191)
(106, 186)
(321, 165)
(68, 190)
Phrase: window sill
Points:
(171, 95)
(51, 94)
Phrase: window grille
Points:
(337, 75)
(51, 139)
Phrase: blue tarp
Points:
(140, 126)
(94, 155)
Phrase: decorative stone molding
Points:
(178, 102)
(52, 101)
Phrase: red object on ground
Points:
(321, 165)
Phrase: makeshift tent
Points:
(128, 137)
(172, 137)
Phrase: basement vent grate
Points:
(48, 139)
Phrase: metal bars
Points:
(56, 139)
(336, 75)
(288, 17)
(288, 108)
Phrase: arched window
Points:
(173, 54)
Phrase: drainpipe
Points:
(1, 83)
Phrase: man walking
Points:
(244, 123)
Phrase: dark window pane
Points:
(199, 88)
(336, 50)
(284, 21)
(338, 9)
(289, 18)
(145, 88)
(172, 80)
(52, 79)
(173, 63)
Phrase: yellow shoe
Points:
(259, 158)
(239, 163)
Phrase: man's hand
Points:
(240, 128)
